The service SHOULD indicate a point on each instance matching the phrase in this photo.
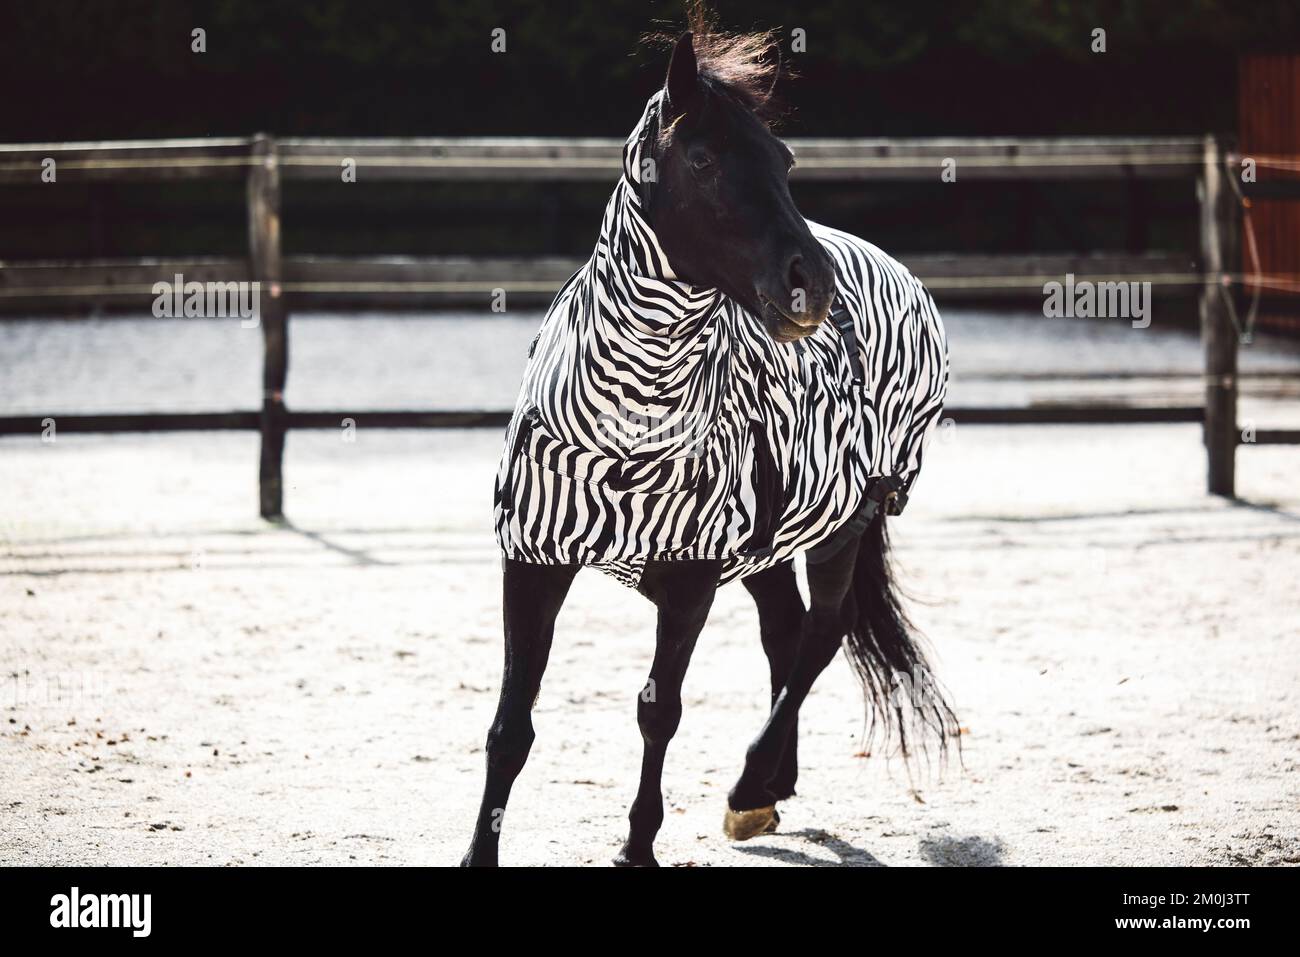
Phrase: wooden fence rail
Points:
(599, 159)
(264, 163)
(333, 282)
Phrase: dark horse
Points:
(722, 213)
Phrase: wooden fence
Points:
(263, 162)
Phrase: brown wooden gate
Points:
(1269, 132)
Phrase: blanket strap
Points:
(843, 321)
(885, 491)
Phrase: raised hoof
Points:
(742, 825)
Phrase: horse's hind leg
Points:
(533, 595)
(683, 592)
(751, 802)
(780, 618)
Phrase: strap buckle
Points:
(887, 493)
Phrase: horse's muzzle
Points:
(797, 299)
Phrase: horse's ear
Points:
(683, 82)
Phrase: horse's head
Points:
(721, 204)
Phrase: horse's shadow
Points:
(849, 856)
(940, 852)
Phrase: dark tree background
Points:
(117, 69)
(124, 68)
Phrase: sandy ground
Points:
(184, 684)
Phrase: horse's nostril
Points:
(796, 274)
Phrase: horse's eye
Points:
(700, 162)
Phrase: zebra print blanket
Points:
(659, 420)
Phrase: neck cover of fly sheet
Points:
(659, 420)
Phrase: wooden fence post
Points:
(1220, 240)
(265, 269)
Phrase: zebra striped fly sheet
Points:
(659, 420)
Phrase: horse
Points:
(723, 386)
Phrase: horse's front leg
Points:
(533, 595)
(781, 614)
(683, 592)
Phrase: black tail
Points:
(903, 696)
